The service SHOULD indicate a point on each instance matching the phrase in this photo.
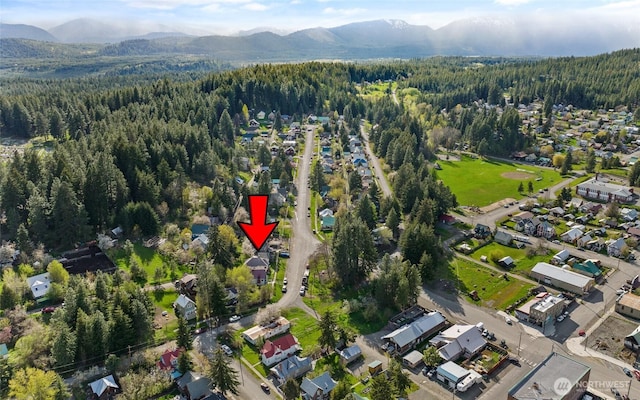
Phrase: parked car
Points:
(425, 371)
(284, 254)
(508, 320)
(560, 318)
(265, 387)
(637, 374)
(491, 336)
(581, 332)
(284, 288)
(48, 309)
(431, 374)
(514, 361)
(303, 289)
(227, 350)
(627, 372)
(234, 318)
(200, 330)
(503, 344)
(284, 281)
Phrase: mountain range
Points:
(552, 36)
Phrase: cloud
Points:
(343, 11)
(255, 7)
(512, 2)
(293, 2)
(173, 4)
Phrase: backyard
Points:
(480, 182)
(524, 259)
(493, 289)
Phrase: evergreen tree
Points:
(530, 187)
(520, 187)
(183, 340)
(291, 389)
(184, 362)
(354, 253)
(222, 375)
(366, 212)
(590, 162)
(327, 325)
(381, 389)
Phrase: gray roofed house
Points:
(39, 285)
(188, 377)
(350, 354)
(404, 338)
(104, 387)
(562, 278)
(292, 367)
(541, 382)
(503, 238)
(459, 340)
(451, 373)
(318, 388)
(198, 389)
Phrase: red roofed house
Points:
(169, 360)
(281, 348)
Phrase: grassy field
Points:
(494, 290)
(148, 258)
(523, 261)
(480, 182)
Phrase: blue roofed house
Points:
(327, 223)
(198, 229)
(318, 388)
(292, 367)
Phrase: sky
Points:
(230, 16)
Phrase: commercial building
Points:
(628, 304)
(556, 378)
(562, 278)
(403, 339)
(603, 190)
(451, 374)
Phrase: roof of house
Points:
(323, 382)
(168, 358)
(588, 267)
(502, 236)
(199, 388)
(618, 243)
(635, 334)
(291, 367)
(573, 233)
(630, 300)
(282, 343)
(506, 260)
(39, 284)
(562, 255)
(183, 301)
(539, 383)
(256, 262)
(452, 371)
(560, 274)
(351, 352)
(188, 377)
(459, 338)
(413, 358)
(326, 212)
(103, 384)
(408, 333)
(199, 229)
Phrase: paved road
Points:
(383, 184)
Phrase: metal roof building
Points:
(562, 278)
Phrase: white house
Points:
(615, 247)
(629, 214)
(39, 285)
(281, 348)
(185, 307)
(459, 340)
(571, 235)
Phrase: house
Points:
(292, 367)
(632, 341)
(557, 211)
(561, 257)
(634, 231)
(459, 340)
(628, 304)
(39, 285)
(587, 268)
(482, 231)
(503, 238)
(327, 212)
(447, 219)
(187, 284)
(185, 307)
(507, 262)
(281, 348)
(350, 354)
(545, 230)
(562, 278)
(198, 229)
(104, 388)
(584, 241)
(412, 360)
(451, 373)
(629, 214)
(539, 383)
(261, 115)
(318, 388)
(327, 223)
(601, 189)
(615, 247)
(404, 338)
(273, 328)
(572, 235)
(259, 268)
(198, 389)
(169, 359)
(201, 241)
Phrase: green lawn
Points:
(164, 298)
(523, 261)
(480, 182)
(494, 291)
(148, 258)
(303, 326)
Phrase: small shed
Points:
(506, 262)
(413, 359)
(375, 367)
(350, 354)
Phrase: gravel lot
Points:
(609, 338)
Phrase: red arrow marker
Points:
(258, 230)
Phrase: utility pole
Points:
(629, 388)
(520, 341)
